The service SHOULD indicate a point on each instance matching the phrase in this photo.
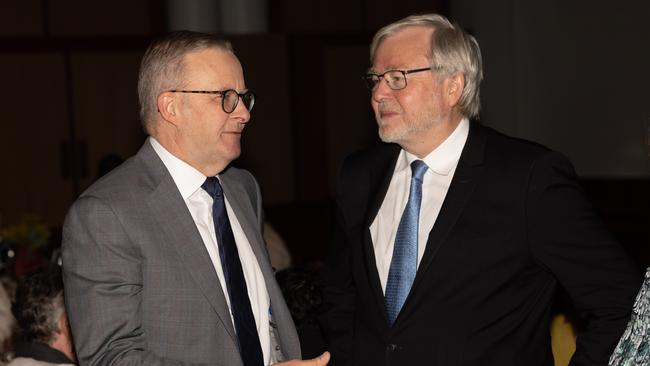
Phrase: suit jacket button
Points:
(391, 347)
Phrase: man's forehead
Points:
(210, 56)
(214, 66)
(407, 47)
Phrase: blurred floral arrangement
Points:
(32, 232)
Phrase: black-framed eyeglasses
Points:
(229, 98)
(396, 79)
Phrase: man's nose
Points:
(241, 113)
(381, 91)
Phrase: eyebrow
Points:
(244, 90)
(389, 68)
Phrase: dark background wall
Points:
(570, 74)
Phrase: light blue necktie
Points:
(404, 263)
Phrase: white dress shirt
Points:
(199, 202)
(442, 163)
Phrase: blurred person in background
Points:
(302, 292)
(7, 290)
(633, 348)
(43, 336)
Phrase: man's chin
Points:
(232, 153)
(385, 139)
(389, 136)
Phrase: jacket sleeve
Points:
(339, 292)
(103, 288)
(568, 238)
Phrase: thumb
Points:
(322, 360)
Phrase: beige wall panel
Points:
(115, 17)
(350, 122)
(574, 79)
(322, 16)
(21, 18)
(267, 140)
(106, 105)
(34, 124)
(383, 12)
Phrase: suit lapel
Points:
(174, 219)
(462, 185)
(238, 199)
(236, 196)
(381, 181)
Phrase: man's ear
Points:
(167, 103)
(62, 325)
(454, 86)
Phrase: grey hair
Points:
(38, 306)
(452, 50)
(161, 68)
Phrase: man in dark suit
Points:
(451, 238)
(164, 261)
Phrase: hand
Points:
(321, 360)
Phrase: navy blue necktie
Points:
(404, 263)
(240, 305)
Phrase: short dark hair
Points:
(38, 305)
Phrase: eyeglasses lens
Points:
(249, 100)
(231, 99)
(395, 79)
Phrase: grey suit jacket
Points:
(140, 288)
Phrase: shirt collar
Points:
(186, 177)
(444, 158)
(41, 352)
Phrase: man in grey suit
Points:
(164, 261)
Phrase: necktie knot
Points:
(418, 168)
(212, 186)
